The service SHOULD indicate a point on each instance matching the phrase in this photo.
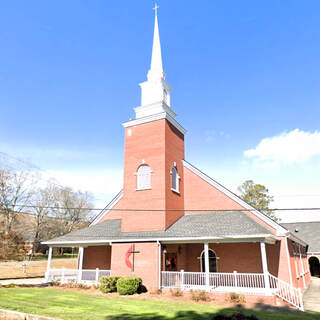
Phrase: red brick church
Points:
(175, 227)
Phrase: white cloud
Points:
(296, 146)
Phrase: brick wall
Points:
(97, 257)
(199, 194)
(146, 263)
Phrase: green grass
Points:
(78, 306)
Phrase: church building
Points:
(176, 227)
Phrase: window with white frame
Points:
(174, 179)
(144, 177)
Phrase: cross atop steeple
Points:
(156, 7)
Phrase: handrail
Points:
(286, 291)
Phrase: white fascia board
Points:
(109, 206)
(281, 231)
(154, 117)
(234, 238)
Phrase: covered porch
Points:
(218, 266)
(243, 267)
(94, 262)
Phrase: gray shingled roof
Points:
(217, 224)
(308, 232)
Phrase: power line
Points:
(160, 210)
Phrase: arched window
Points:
(212, 261)
(144, 177)
(174, 179)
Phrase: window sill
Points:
(143, 189)
(175, 191)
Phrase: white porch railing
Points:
(248, 283)
(217, 281)
(80, 276)
(286, 292)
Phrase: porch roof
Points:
(212, 225)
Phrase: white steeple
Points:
(156, 70)
(155, 92)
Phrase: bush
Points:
(235, 316)
(176, 292)
(236, 298)
(200, 296)
(129, 285)
(108, 284)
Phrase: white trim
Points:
(81, 250)
(159, 264)
(201, 266)
(106, 210)
(302, 268)
(158, 116)
(288, 259)
(236, 238)
(206, 263)
(265, 265)
(48, 264)
(280, 230)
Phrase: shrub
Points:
(200, 296)
(235, 316)
(129, 285)
(108, 284)
(156, 292)
(176, 292)
(236, 298)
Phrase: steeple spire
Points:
(156, 69)
(155, 92)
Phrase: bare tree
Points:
(73, 209)
(42, 209)
(17, 188)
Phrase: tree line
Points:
(52, 210)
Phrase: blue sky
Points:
(245, 76)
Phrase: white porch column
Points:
(302, 268)
(48, 264)
(80, 263)
(265, 266)
(206, 263)
(159, 264)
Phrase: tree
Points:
(16, 193)
(12, 245)
(73, 209)
(44, 200)
(257, 196)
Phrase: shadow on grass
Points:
(182, 315)
(267, 313)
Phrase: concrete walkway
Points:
(311, 297)
(28, 281)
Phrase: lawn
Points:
(74, 305)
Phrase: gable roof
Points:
(273, 224)
(307, 231)
(221, 225)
